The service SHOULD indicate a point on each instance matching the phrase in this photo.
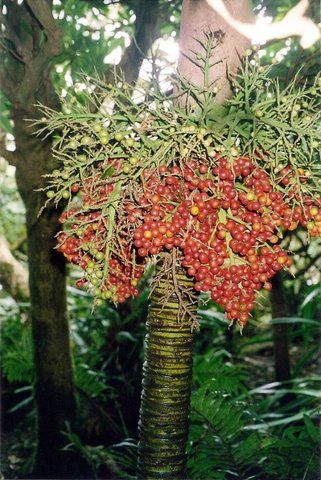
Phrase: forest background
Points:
(267, 425)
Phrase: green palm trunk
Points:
(167, 372)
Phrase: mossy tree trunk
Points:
(163, 428)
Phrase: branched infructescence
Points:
(216, 191)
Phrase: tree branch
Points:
(13, 276)
(42, 12)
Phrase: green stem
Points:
(167, 371)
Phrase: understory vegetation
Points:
(243, 423)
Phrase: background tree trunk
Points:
(25, 80)
(280, 332)
(167, 371)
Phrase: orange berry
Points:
(314, 211)
(194, 210)
(148, 234)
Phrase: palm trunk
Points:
(167, 373)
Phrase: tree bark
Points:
(198, 19)
(163, 428)
(54, 387)
(26, 80)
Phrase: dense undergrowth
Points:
(243, 423)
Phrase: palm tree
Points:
(167, 370)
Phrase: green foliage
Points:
(16, 350)
(226, 443)
(119, 458)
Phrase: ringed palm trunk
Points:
(167, 374)
(163, 427)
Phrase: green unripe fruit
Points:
(97, 127)
(118, 136)
(172, 130)
(86, 140)
(73, 144)
(65, 194)
(94, 281)
(99, 274)
(126, 169)
(56, 173)
(65, 175)
(50, 194)
(99, 255)
(133, 160)
(314, 144)
(89, 270)
(106, 295)
(104, 138)
(258, 113)
(97, 292)
(82, 158)
(99, 302)
(310, 225)
(130, 142)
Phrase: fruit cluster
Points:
(225, 217)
